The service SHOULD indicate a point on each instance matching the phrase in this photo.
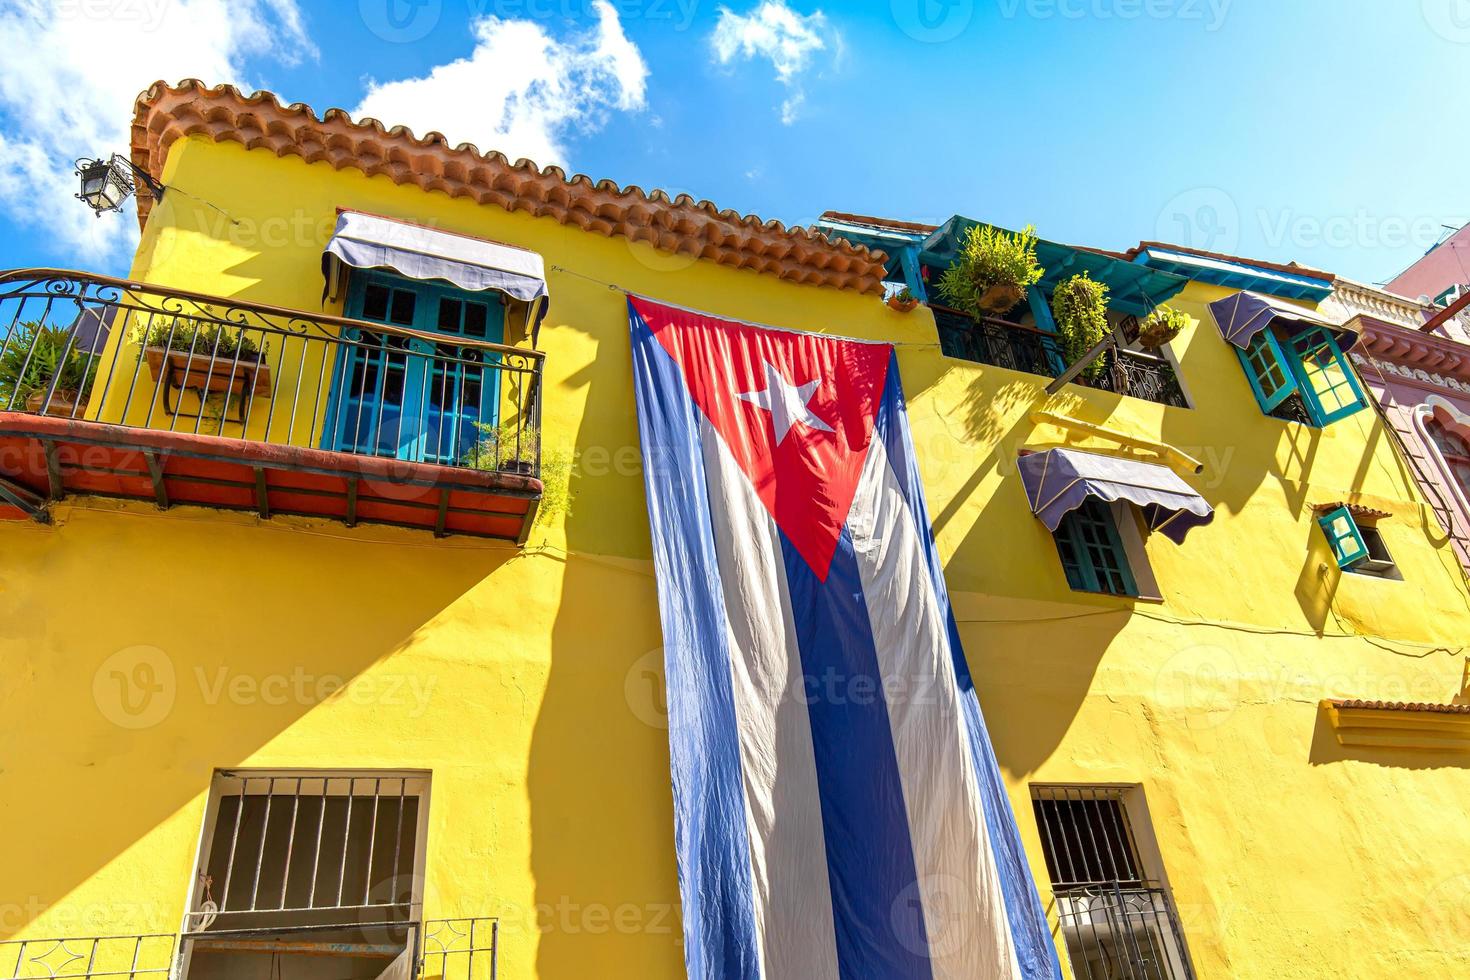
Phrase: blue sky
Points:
(1318, 130)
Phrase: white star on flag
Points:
(787, 403)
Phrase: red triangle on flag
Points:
(796, 410)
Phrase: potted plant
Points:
(39, 359)
(1080, 307)
(206, 358)
(512, 448)
(904, 301)
(1161, 326)
(992, 272)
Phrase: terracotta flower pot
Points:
(64, 402)
(1002, 297)
(1154, 337)
(902, 305)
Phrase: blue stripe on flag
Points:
(870, 860)
(715, 878)
(1035, 951)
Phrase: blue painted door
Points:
(414, 398)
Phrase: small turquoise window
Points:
(1344, 537)
(1092, 552)
(1309, 364)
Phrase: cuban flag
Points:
(838, 809)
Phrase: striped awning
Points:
(1059, 481)
(367, 241)
(1240, 316)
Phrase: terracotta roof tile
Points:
(166, 113)
(1360, 511)
(1438, 709)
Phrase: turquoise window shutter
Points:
(1268, 370)
(1344, 537)
(1326, 377)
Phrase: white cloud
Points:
(72, 71)
(775, 32)
(520, 91)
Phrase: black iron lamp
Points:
(106, 184)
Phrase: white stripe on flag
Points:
(958, 882)
(793, 901)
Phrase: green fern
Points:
(1080, 307)
(989, 257)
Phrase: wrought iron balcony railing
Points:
(1010, 345)
(93, 348)
(1122, 931)
(434, 949)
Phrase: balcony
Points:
(987, 340)
(110, 388)
(441, 949)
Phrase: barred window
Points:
(1118, 919)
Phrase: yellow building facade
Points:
(156, 661)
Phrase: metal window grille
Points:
(1119, 923)
(304, 845)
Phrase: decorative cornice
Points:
(1399, 725)
(166, 113)
(1358, 299)
(1429, 360)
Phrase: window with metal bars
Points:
(297, 863)
(1092, 551)
(1118, 920)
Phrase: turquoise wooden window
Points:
(1310, 364)
(1092, 552)
(1344, 537)
(414, 398)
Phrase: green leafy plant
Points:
(38, 354)
(993, 270)
(1161, 326)
(204, 339)
(1080, 307)
(510, 447)
(903, 300)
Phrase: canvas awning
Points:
(1059, 481)
(1242, 315)
(367, 241)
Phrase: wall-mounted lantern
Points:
(106, 184)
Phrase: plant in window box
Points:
(207, 358)
(992, 272)
(904, 301)
(1080, 307)
(39, 359)
(511, 448)
(1162, 325)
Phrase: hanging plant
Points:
(1080, 307)
(992, 272)
(1161, 326)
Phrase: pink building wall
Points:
(1446, 265)
(1417, 377)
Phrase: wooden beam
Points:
(53, 471)
(531, 509)
(443, 512)
(352, 501)
(155, 473)
(18, 496)
(262, 497)
(297, 947)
